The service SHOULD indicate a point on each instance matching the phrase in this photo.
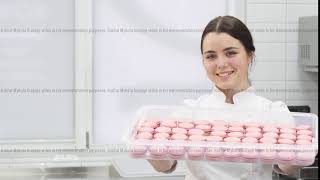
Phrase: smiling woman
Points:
(227, 50)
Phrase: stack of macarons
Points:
(191, 131)
(221, 131)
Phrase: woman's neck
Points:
(229, 93)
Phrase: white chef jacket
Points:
(245, 100)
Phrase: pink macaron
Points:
(287, 131)
(214, 153)
(163, 130)
(169, 123)
(285, 141)
(286, 155)
(201, 122)
(305, 156)
(270, 129)
(270, 135)
(304, 132)
(220, 128)
(249, 140)
(232, 139)
(179, 131)
(195, 153)
(204, 127)
(253, 129)
(249, 154)
(303, 142)
(139, 150)
(304, 137)
(179, 137)
(235, 129)
(269, 155)
(146, 129)
(152, 124)
(253, 134)
(161, 136)
(287, 136)
(176, 151)
(219, 133)
(186, 125)
(158, 150)
(268, 140)
(231, 153)
(144, 135)
(236, 124)
(214, 138)
(195, 132)
(197, 138)
(235, 134)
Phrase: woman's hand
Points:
(164, 166)
(289, 170)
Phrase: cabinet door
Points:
(36, 69)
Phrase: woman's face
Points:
(226, 61)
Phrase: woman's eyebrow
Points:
(230, 48)
(209, 51)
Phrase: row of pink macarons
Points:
(204, 124)
(222, 130)
(230, 137)
(213, 153)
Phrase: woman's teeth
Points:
(225, 74)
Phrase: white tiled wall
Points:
(277, 65)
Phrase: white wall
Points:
(277, 65)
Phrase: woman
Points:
(228, 51)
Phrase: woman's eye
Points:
(211, 57)
(231, 53)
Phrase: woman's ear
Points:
(252, 56)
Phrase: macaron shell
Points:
(249, 140)
(179, 137)
(235, 134)
(205, 128)
(214, 138)
(219, 128)
(253, 134)
(146, 129)
(304, 137)
(232, 139)
(163, 130)
(195, 132)
(186, 125)
(169, 123)
(201, 122)
(176, 150)
(287, 136)
(161, 136)
(287, 130)
(219, 133)
(144, 135)
(253, 129)
(197, 138)
(285, 141)
(235, 129)
(270, 135)
(304, 132)
(286, 155)
(179, 131)
(303, 142)
(214, 152)
(267, 140)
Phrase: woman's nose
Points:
(221, 62)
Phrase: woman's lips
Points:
(225, 74)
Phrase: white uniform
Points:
(247, 101)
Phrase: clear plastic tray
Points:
(167, 148)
